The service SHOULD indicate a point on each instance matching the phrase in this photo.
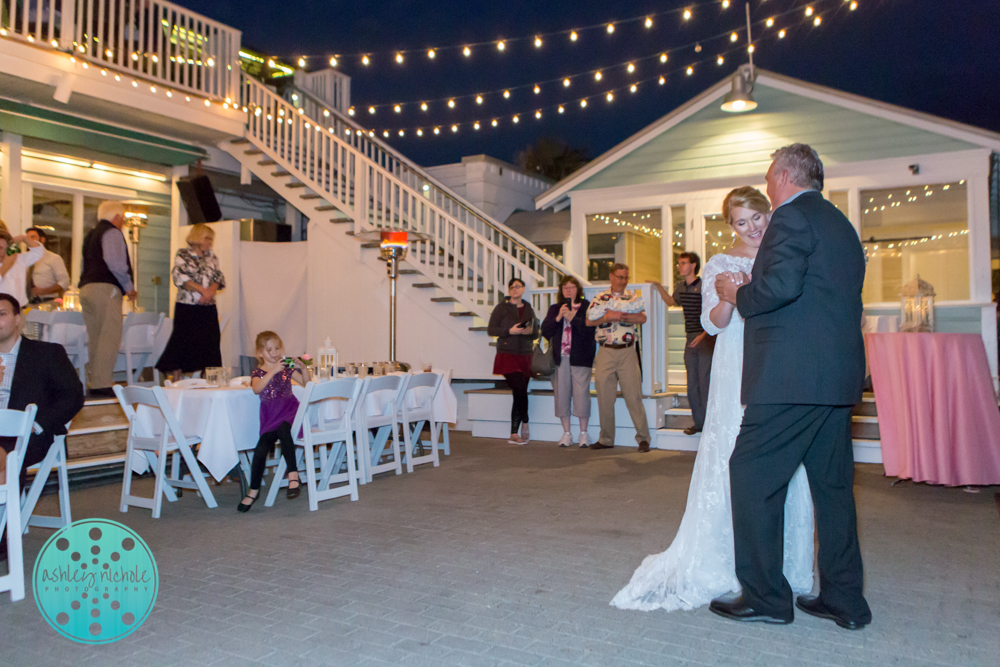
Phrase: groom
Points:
(803, 368)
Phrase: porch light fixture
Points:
(740, 98)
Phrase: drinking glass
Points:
(428, 367)
(212, 375)
(324, 373)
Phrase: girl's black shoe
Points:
(245, 507)
(292, 493)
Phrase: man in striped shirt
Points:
(700, 346)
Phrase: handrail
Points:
(467, 265)
(363, 140)
(156, 40)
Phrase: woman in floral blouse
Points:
(194, 342)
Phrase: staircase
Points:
(328, 168)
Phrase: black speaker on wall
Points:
(199, 199)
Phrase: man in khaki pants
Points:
(105, 278)
(617, 313)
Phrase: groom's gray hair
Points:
(802, 164)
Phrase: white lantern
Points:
(326, 356)
(917, 306)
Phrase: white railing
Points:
(158, 41)
(465, 264)
(511, 243)
(653, 335)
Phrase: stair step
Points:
(267, 163)
(466, 313)
(371, 244)
(326, 207)
(295, 185)
(341, 221)
(280, 174)
(241, 140)
(311, 195)
(254, 151)
(409, 272)
(479, 328)
(424, 285)
(444, 299)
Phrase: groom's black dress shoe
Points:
(738, 609)
(812, 605)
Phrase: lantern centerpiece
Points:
(917, 306)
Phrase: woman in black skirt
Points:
(195, 341)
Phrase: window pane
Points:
(679, 238)
(916, 230)
(719, 236)
(839, 199)
(629, 237)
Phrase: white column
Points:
(577, 254)
(666, 247)
(76, 258)
(10, 188)
(27, 207)
(178, 219)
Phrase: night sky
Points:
(937, 56)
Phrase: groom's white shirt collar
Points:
(795, 196)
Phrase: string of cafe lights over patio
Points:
(809, 12)
(537, 40)
(608, 96)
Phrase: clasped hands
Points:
(727, 283)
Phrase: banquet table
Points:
(227, 419)
(937, 410)
(69, 336)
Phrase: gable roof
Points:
(843, 128)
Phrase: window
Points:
(629, 237)
(915, 230)
(839, 199)
(719, 236)
(554, 249)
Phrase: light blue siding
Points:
(713, 144)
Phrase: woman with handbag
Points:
(572, 344)
(514, 326)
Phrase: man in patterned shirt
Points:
(617, 314)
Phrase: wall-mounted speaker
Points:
(199, 199)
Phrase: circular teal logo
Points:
(95, 581)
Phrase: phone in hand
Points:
(524, 325)
(289, 362)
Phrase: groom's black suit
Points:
(803, 369)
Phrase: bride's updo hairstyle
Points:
(745, 197)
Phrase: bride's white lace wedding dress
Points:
(699, 565)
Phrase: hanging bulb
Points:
(466, 52)
(561, 109)
(781, 34)
(649, 22)
(630, 68)
(516, 119)
(633, 88)
(663, 57)
(817, 21)
(537, 89)
(597, 76)
(420, 133)
(494, 122)
(809, 11)
(437, 130)
(538, 114)
(538, 42)
(610, 97)
(371, 110)
(687, 14)
(333, 61)
(401, 133)
(663, 80)
(454, 128)
(397, 108)
(725, 4)
(475, 126)
(385, 133)
(479, 99)
(573, 36)
(423, 106)
(611, 28)
(399, 58)
(769, 22)
(690, 71)
(853, 6)
(506, 94)
(431, 54)
(350, 112)
(750, 49)
(566, 83)
(451, 104)
(733, 37)
(583, 104)
(501, 46)
(302, 62)
(365, 61)
(697, 47)
(719, 60)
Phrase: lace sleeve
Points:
(709, 297)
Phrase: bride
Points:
(699, 565)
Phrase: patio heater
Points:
(135, 221)
(393, 246)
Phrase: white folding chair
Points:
(156, 437)
(54, 459)
(186, 383)
(68, 329)
(445, 442)
(326, 441)
(241, 381)
(35, 323)
(14, 424)
(138, 339)
(379, 409)
(417, 409)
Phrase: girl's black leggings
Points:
(518, 383)
(264, 447)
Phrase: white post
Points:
(76, 258)
(67, 26)
(178, 219)
(11, 191)
(27, 207)
(293, 219)
(578, 232)
(667, 247)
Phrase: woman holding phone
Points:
(573, 348)
(514, 326)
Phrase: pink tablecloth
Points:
(937, 412)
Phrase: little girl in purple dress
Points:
(272, 380)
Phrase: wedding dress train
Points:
(699, 565)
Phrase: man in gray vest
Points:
(106, 277)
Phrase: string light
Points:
(853, 6)
(769, 22)
(494, 122)
(583, 104)
(475, 126)
(781, 34)
(719, 60)
(663, 80)
(302, 63)
(506, 94)
(630, 68)
(610, 97)
(597, 76)
(431, 54)
(538, 89)
(479, 99)
(399, 58)
(611, 28)
(423, 106)
(817, 21)
(454, 128)
(516, 119)
(649, 22)
(733, 37)
(437, 130)
(538, 114)
(689, 71)
(501, 46)
(566, 83)
(420, 133)
(809, 11)
(538, 42)
(573, 36)
(365, 60)
(687, 14)
(663, 57)
(333, 61)
(466, 52)
(561, 109)
(397, 108)
(633, 88)
(725, 4)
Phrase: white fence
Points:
(158, 41)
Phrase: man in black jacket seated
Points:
(33, 372)
(803, 369)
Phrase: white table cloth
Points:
(68, 335)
